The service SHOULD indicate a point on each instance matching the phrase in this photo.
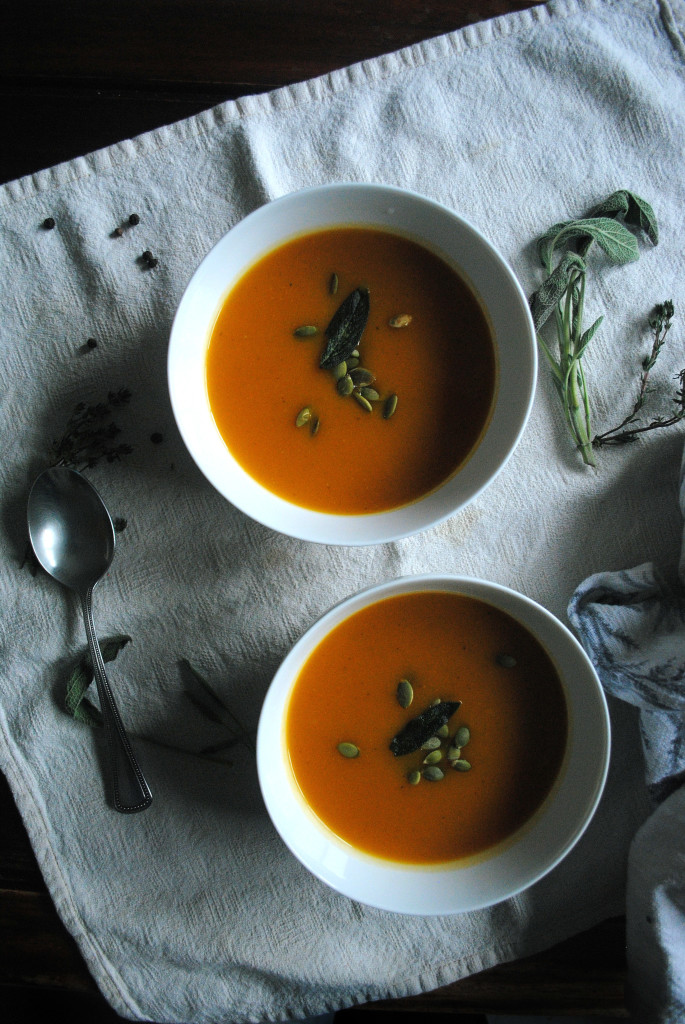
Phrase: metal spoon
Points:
(73, 537)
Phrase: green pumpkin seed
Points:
(314, 426)
(443, 732)
(433, 773)
(364, 402)
(353, 361)
(306, 331)
(370, 394)
(434, 703)
(505, 661)
(405, 693)
(303, 416)
(433, 757)
(403, 320)
(333, 284)
(454, 753)
(361, 376)
(340, 370)
(462, 736)
(461, 765)
(431, 744)
(390, 406)
(413, 778)
(345, 385)
(348, 749)
(354, 354)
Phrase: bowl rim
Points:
(268, 508)
(474, 883)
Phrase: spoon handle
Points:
(130, 790)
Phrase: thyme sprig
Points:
(561, 297)
(660, 323)
(90, 434)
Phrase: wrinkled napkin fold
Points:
(632, 624)
(195, 911)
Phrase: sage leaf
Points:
(587, 336)
(619, 244)
(544, 300)
(346, 328)
(642, 214)
(76, 703)
(422, 727)
(632, 208)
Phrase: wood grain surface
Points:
(76, 75)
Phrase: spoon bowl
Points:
(73, 538)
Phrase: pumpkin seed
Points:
(462, 736)
(390, 406)
(461, 765)
(353, 361)
(403, 320)
(433, 773)
(413, 778)
(348, 749)
(505, 661)
(306, 331)
(431, 744)
(364, 402)
(303, 416)
(345, 385)
(340, 370)
(454, 753)
(370, 393)
(405, 693)
(333, 284)
(434, 703)
(314, 426)
(355, 353)
(433, 757)
(443, 732)
(361, 376)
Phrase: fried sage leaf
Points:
(346, 328)
(421, 728)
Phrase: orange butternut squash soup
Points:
(386, 756)
(407, 383)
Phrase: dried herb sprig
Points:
(562, 296)
(660, 323)
(90, 434)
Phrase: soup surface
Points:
(441, 366)
(448, 646)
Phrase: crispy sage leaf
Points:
(346, 328)
(422, 727)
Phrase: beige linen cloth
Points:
(195, 911)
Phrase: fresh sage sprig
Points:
(561, 297)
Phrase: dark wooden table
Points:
(76, 75)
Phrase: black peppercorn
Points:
(147, 256)
(134, 219)
(92, 343)
(118, 232)
(49, 223)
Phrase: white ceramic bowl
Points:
(476, 882)
(438, 229)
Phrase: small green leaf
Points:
(587, 336)
(619, 244)
(75, 702)
(642, 214)
(543, 301)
